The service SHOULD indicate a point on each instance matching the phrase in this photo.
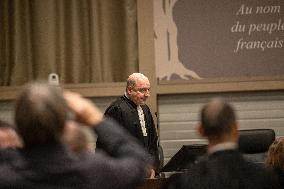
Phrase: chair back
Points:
(254, 143)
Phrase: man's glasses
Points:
(143, 90)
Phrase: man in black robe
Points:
(131, 112)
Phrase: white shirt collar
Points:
(223, 146)
(125, 94)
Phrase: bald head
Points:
(138, 88)
(217, 118)
(40, 114)
(134, 78)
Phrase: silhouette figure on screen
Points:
(166, 43)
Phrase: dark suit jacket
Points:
(224, 169)
(124, 111)
(8, 154)
(120, 166)
(280, 175)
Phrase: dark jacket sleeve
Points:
(153, 143)
(127, 158)
(112, 112)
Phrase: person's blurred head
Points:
(275, 155)
(138, 88)
(218, 122)
(40, 114)
(8, 136)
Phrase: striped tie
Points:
(142, 121)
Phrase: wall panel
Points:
(178, 115)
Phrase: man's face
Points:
(9, 138)
(140, 92)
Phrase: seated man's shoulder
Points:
(259, 170)
(244, 171)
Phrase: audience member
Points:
(41, 113)
(131, 112)
(225, 166)
(8, 136)
(9, 142)
(275, 158)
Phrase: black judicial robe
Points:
(124, 111)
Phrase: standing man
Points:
(131, 112)
(225, 166)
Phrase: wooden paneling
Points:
(219, 85)
(87, 90)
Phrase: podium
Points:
(186, 155)
(155, 183)
(178, 163)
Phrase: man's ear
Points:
(200, 130)
(236, 130)
(128, 90)
(238, 126)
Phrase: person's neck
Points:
(223, 143)
(229, 145)
(125, 94)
